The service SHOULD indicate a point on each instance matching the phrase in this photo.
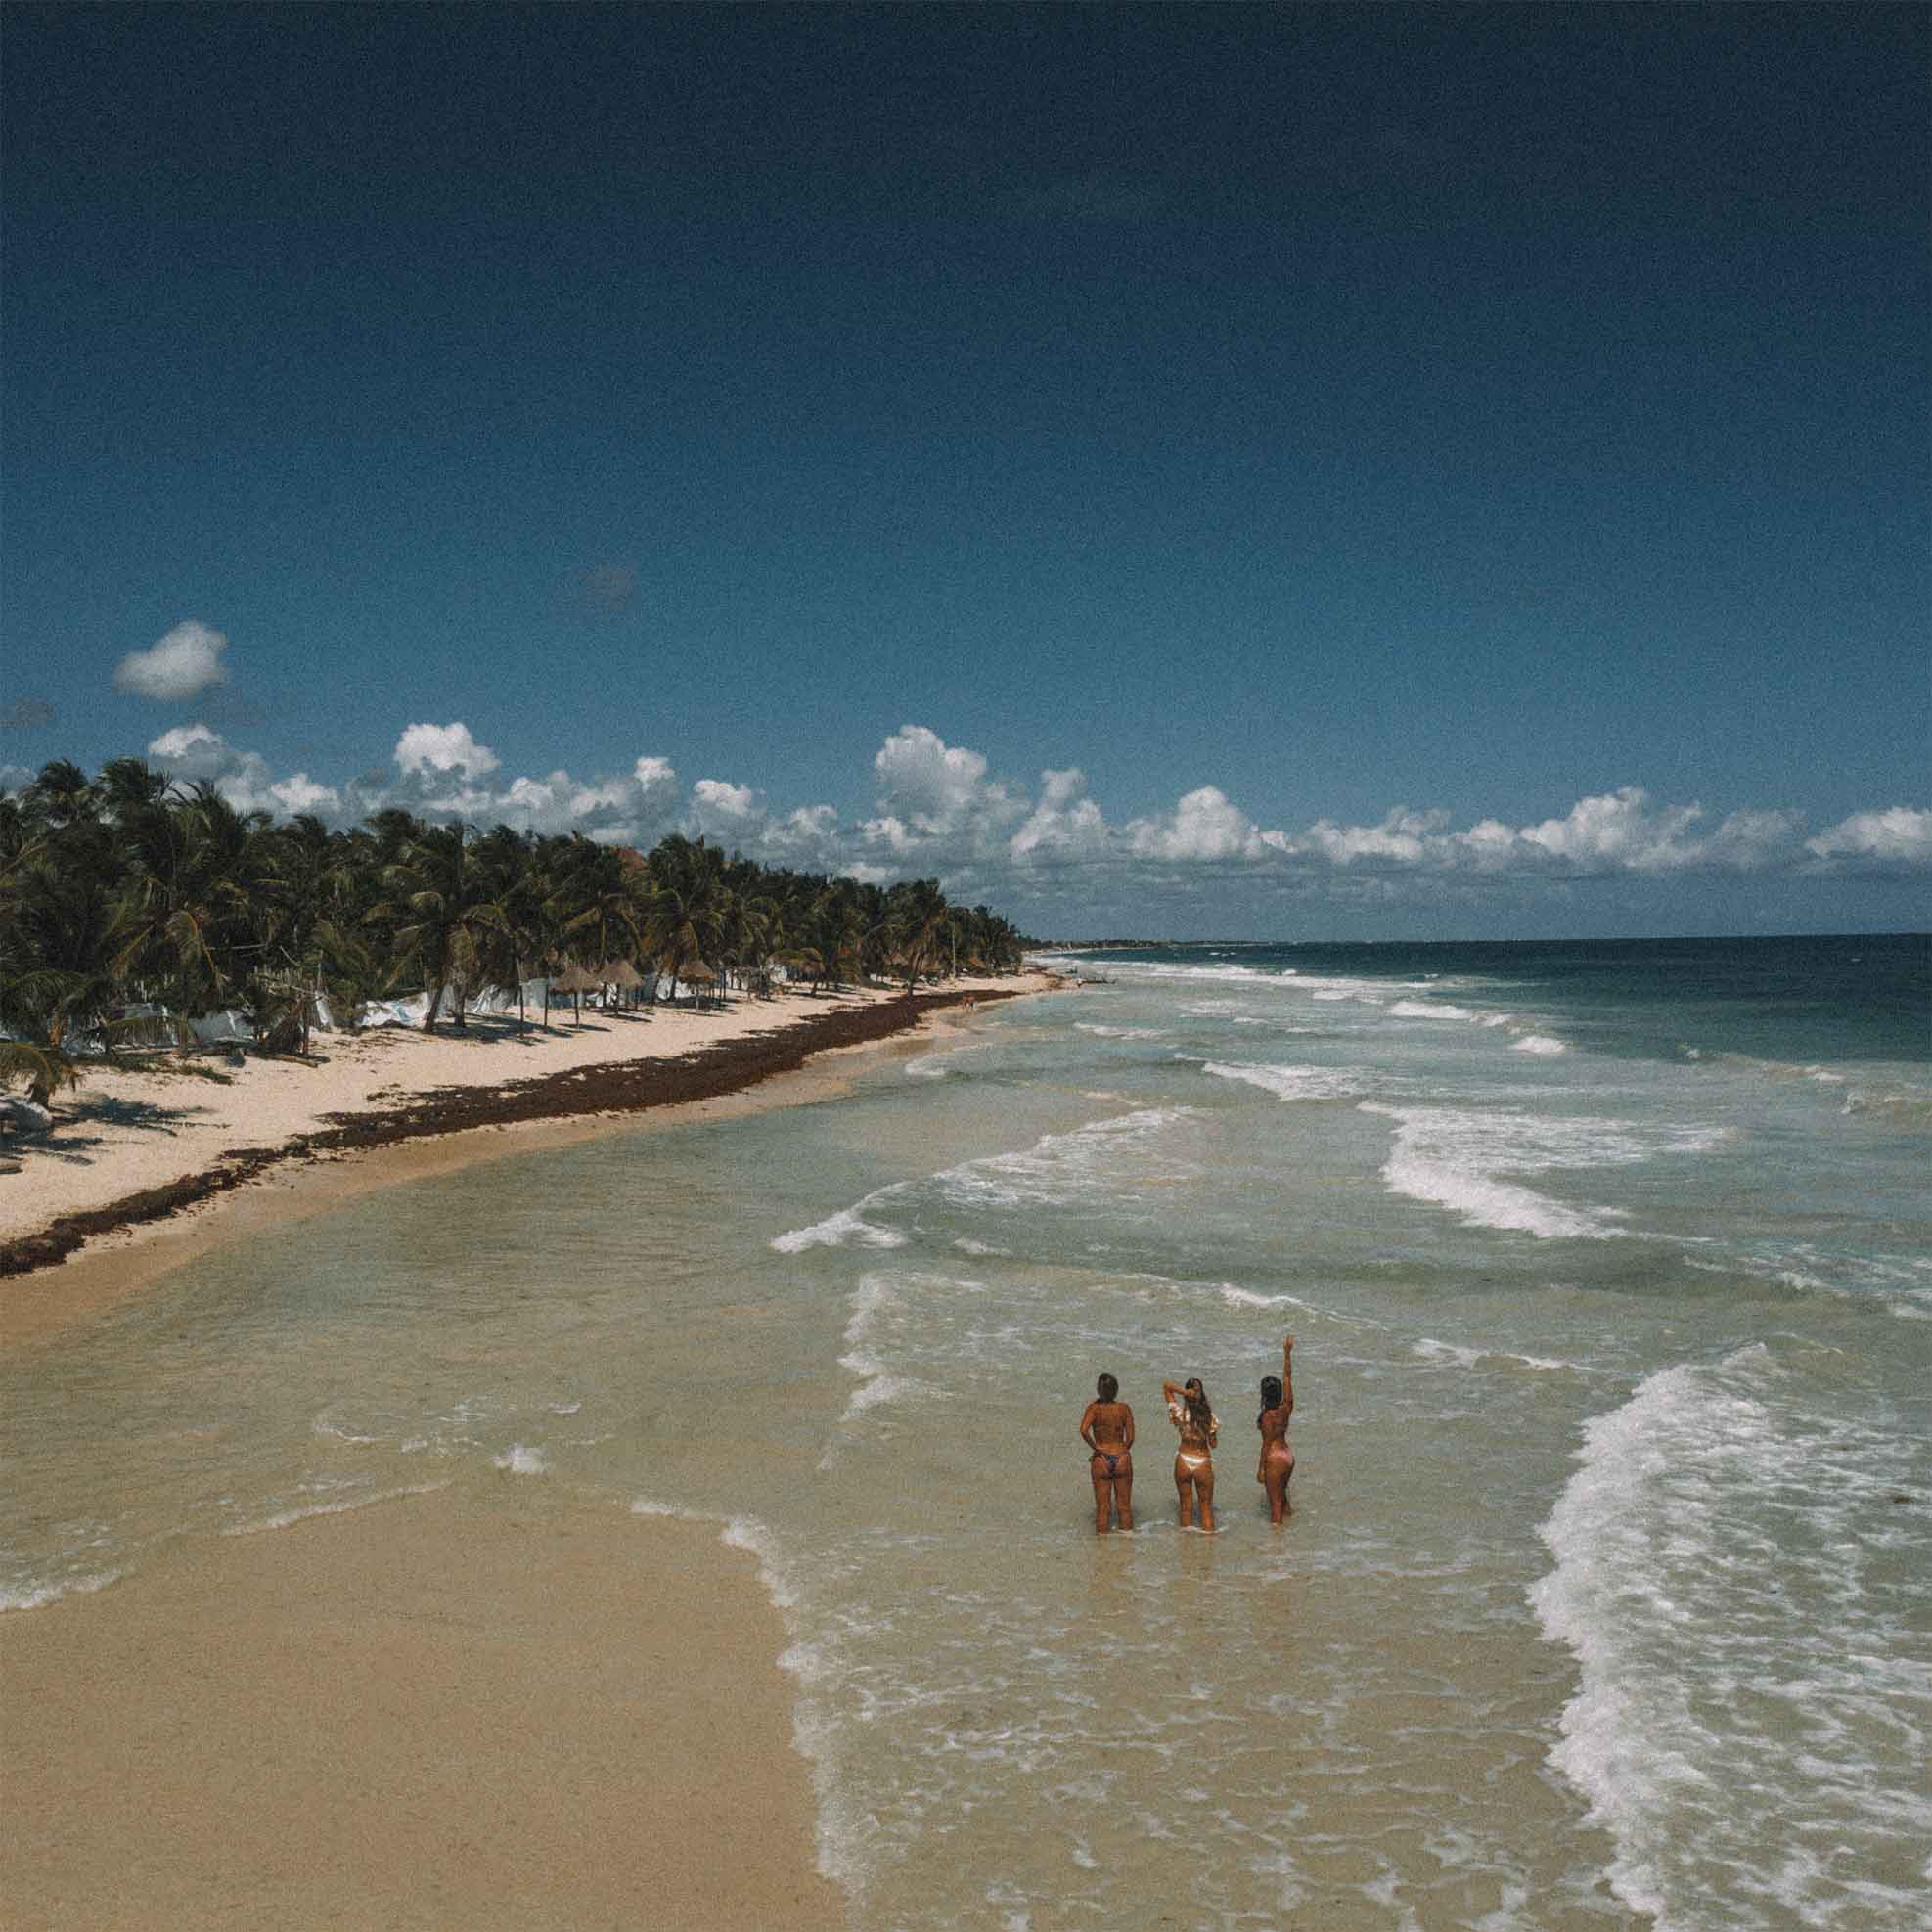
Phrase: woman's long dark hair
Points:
(1271, 1395)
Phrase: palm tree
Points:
(443, 916)
(198, 897)
(688, 906)
(916, 920)
(57, 957)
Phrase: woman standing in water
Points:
(1277, 1456)
(1193, 1463)
(1108, 1429)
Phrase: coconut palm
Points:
(916, 921)
(687, 907)
(200, 888)
(442, 917)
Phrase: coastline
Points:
(289, 1137)
(487, 1708)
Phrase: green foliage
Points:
(128, 890)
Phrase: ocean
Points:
(1607, 1597)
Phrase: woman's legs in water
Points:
(1274, 1476)
(1113, 1491)
(1196, 1486)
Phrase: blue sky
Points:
(1252, 472)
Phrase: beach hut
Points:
(573, 980)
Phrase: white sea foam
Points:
(1458, 1355)
(1248, 1299)
(1453, 1157)
(1117, 1032)
(1732, 1583)
(335, 1506)
(837, 1230)
(1060, 1168)
(1537, 1043)
(1428, 1009)
(521, 1460)
(1294, 1083)
(33, 1596)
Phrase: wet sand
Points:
(447, 1710)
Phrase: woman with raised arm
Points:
(1278, 1455)
(1108, 1429)
(1194, 1463)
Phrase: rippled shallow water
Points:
(1606, 1595)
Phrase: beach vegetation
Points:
(134, 909)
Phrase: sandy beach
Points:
(446, 1710)
(141, 1169)
(486, 1707)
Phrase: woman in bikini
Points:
(1108, 1429)
(1278, 1455)
(1194, 1463)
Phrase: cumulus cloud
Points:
(1619, 829)
(444, 748)
(1065, 823)
(931, 790)
(941, 811)
(243, 778)
(1206, 825)
(181, 665)
(1900, 833)
(26, 714)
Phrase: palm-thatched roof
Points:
(698, 973)
(619, 972)
(574, 980)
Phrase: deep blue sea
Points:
(1607, 1599)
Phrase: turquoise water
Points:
(1606, 1598)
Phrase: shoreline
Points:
(57, 1268)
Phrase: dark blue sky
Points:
(1496, 413)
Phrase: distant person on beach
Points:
(1194, 1463)
(1108, 1429)
(1278, 1455)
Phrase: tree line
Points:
(127, 890)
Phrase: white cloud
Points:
(1403, 835)
(1620, 829)
(1206, 825)
(941, 813)
(181, 665)
(1899, 832)
(935, 790)
(243, 778)
(1065, 823)
(444, 748)
(726, 801)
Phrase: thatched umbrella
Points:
(575, 980)
(621, 975)
(698, 975)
